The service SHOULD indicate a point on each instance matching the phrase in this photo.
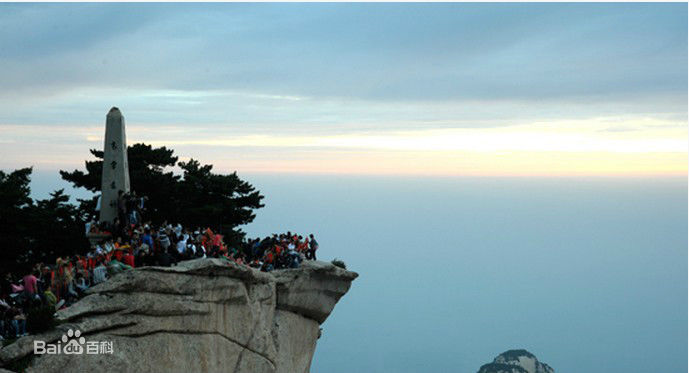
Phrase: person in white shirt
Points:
(164, 239)
(109, 246)
(100, 273)
(181, 246)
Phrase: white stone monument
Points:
(115, 177)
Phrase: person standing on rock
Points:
(122, 207)
(313, 246)
(30, 282)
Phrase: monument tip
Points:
(114, 111)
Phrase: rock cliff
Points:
(200, 316)
(516, 361)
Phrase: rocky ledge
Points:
(203, 315)
(516, 361)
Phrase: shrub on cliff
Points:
(339, 263)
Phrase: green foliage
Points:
(41, 319)
(501, 368)
(15, 217)
(146, 173)
(59, 228)
(198, 197)
(39, 231)
(220, 201)
(339, 263)
(14, 189)
(33, 231)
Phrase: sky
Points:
(587, 273)
(399, 89)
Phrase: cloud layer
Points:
(343, 69)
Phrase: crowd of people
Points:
(167, 244)
(118, 247)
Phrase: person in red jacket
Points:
(128, 258)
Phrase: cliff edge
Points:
(203, 315)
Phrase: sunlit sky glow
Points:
(442, 89)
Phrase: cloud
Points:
(385, 52)
(189, 72)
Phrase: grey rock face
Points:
(115, 175)
(201, 316)
(516, 361)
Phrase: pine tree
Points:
(197, 198)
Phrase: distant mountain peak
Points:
(516, 361)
